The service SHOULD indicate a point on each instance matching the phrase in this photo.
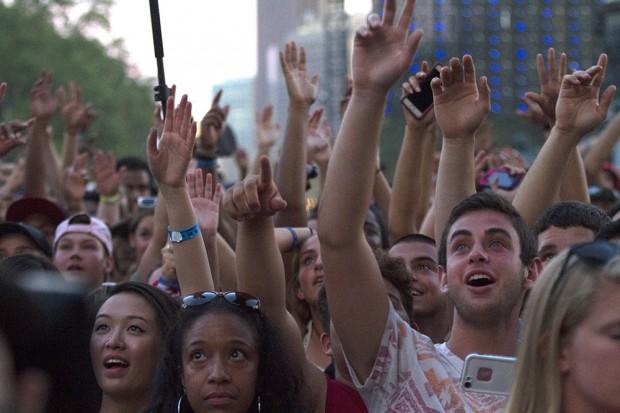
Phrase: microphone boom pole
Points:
(161, 90)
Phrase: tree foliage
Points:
(29, 42)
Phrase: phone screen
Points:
(418, 103)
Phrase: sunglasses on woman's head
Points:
(233, 297)
(596, 253)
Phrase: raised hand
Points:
(580, 107)
(460, 103)
(413, 85)
(267, 132)
(319, 138)
(301, 90)
(205, 201)
(255, 196)
(107, 178)
(74, 182)
(77, 116)
(43, 103)
(169, 159)
(550, 80)
(382, 50)
(213, 124)
(13, 134)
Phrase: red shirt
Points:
(342, 398)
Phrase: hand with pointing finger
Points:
(256, 196)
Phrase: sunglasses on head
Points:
(232, 297)
(595, 253)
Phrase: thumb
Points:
(277, 203)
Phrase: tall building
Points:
(238, 93)
(504, 37)
(276, 20)
(321, 27)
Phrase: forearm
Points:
(69, 148)
(428, 224)
(284, 237)
(109, 212)
(542, 182)
(259, 265)
(574, 186)
(407, 185)
(601, 150)
(291, 172)
(212, 253)
(348, 188)
(427, 170)
(455, 178)
(191, 259)
(322, 176)
(227, 266)
(382, 193)
(34, 177)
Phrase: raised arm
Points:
(168, 160)
(291, 173)
(43, 104)
(108, 179)
(382, 52)
(461, 104)
(261, 271)
(76, 118)
(205, 198)
(267, 133)
(601, 151)
(579, 110)
(411, 187)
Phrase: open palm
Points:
(383, 50)
(170, 158)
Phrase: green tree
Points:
(29, 42)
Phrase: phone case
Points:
(484, 373)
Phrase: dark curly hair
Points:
(279, 383)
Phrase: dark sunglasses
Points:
(233, 297)
(595, 253)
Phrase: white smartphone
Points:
(485, 373)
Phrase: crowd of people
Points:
(204, 295)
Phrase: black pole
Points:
(161, 90)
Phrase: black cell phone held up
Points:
(418, 103)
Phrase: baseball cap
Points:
(85, 224)
(33, 234)
(22, 208)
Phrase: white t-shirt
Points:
(411, 374)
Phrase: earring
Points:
(259, 403)
(180, 403)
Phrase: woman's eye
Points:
(237, 355)
(197, 355)
(308, 260)
(101, 327)
(136, 329)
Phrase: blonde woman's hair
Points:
(557, 304)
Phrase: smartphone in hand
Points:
(418, 103)
(485, 373)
